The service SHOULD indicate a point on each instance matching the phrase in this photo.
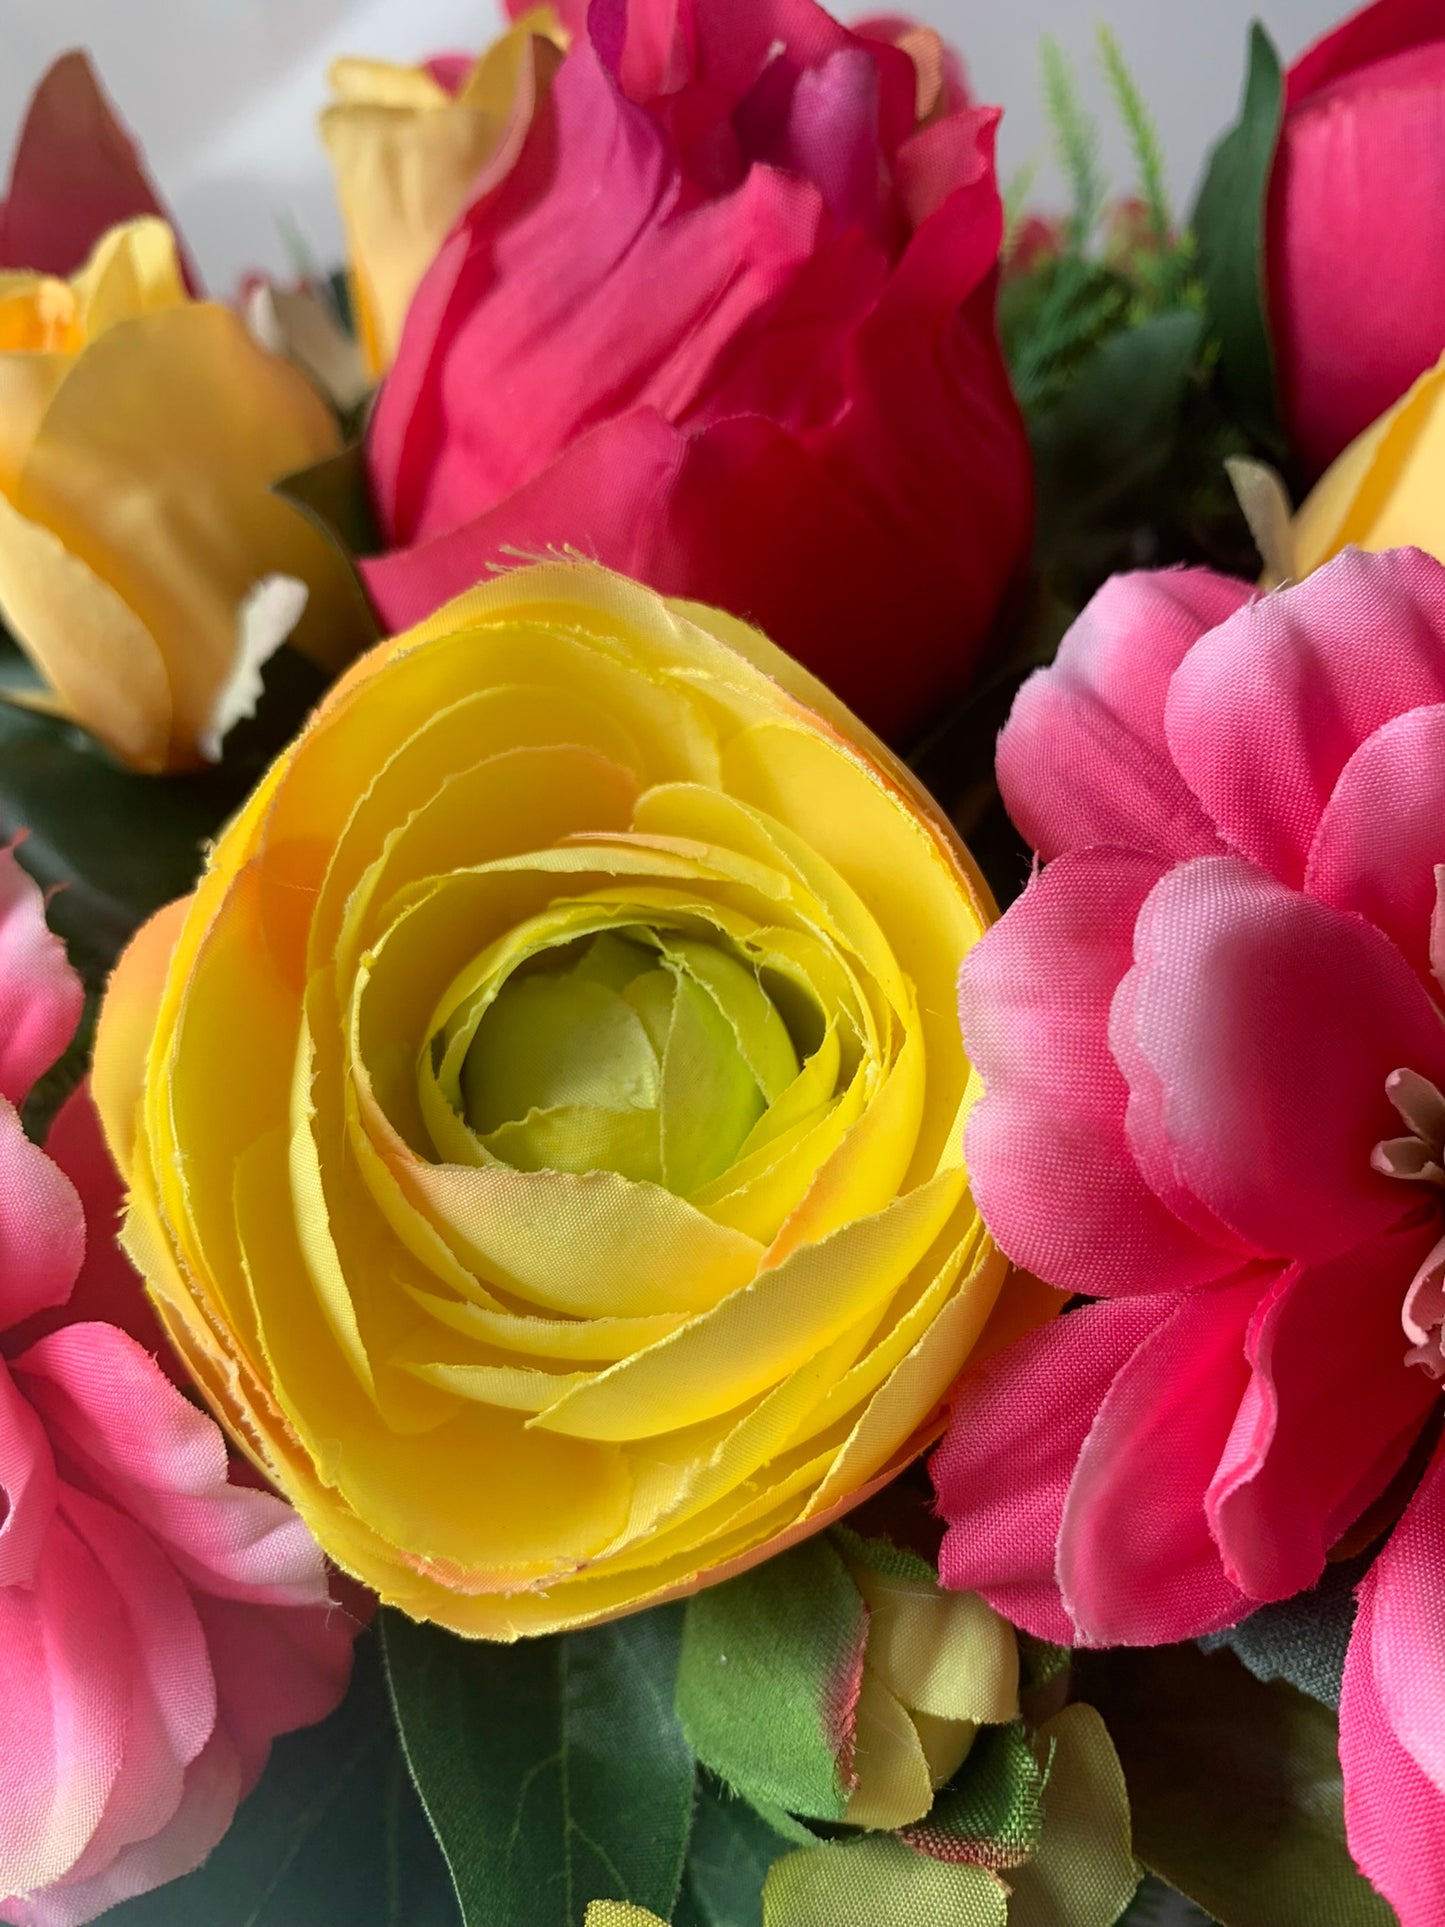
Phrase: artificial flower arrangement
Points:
(589, 1336)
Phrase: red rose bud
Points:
(724, 321)
(1356, 213)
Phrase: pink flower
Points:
(159, 1624)
(722, 317)
(1357, 189)
(1211, 1039)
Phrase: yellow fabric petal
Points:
(945, 1653)
(894, 1785)
(620, 1913)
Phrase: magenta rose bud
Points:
(1358, 193)
(723, 319)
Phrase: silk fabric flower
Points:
(1211, 1042)
(159, 1624)
(577, 1209)
(140, 432)
(723, 319)
(408, 146)
(1357, 191)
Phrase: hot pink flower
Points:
(722, 317)
(1211, 1038)
(159, 1624)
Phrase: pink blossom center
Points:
(1418, 1157)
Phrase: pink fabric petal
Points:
(1267, 709)
(1372, 33)
(1003, 1471)
(1405, 1586)
(40, 995)
(76, 173)
(541, 274)
(1083, 758)
(1292, 1476)
(125, 1431)
(172, 1707)
(27, 1485)
(1136, 1563)
(276, 1669)
(66, 1665)
(207, 1807)
(108, 1290)
(1267, 1024)
(1383, 832)
(42, 1226)
(1394, 1685)
(1034, 1000)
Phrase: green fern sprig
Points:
(1143, 135)
(1076, 139)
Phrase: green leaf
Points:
(1076, 142)
(770, 1664)
(335, 497)
(1228, 224)
(1302, 1640)
(728, 1858)
(334, 1836)
(554, 1770)
(1100, 452)
(992, 1813)
(1234, 1786)
(877, 1880)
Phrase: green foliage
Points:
(1234, 1786)
(992, 1812)
(1229, 224)
(728, 1857)
(554, 1771)
(333, 1836)
(1076, 141)
(1143, 136)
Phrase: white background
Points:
(224, 92)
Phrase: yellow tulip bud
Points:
(140, 432)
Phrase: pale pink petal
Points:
(42, 1226)
(1083, 758)
(1136, 1563)
(1267, 709)
(1237, 980)
(172, 1708)
(27, 1485)
(1034, 999)
(1383, 832)
(40, 995)
(207, 1807)
(1293, 1476)
(1003, 1471)
(276, 1669)
(125, 1431)
(1394, 1684)
(66, 1663)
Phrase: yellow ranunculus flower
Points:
(1386, 491)
(408, 155)
(140, 432)
(544, 1123)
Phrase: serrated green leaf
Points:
(770, 1663)
(554, 1771)
(1228, 224)
(334, 1836)
(1234, 1787)
(728, 1858)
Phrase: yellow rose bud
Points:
(408, 155)
(1386, 491)
(544, 1123)
(937, 1666)
(140, 432)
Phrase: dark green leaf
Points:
(770, 1663)
(1228, 224)
(334, 1836)
(1100, 452)
(991, 1814)
(554, 1771)
(335, 496)
(728, 1858)
(1235, 1788)
(1158, 1905)
(1302, 1640)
